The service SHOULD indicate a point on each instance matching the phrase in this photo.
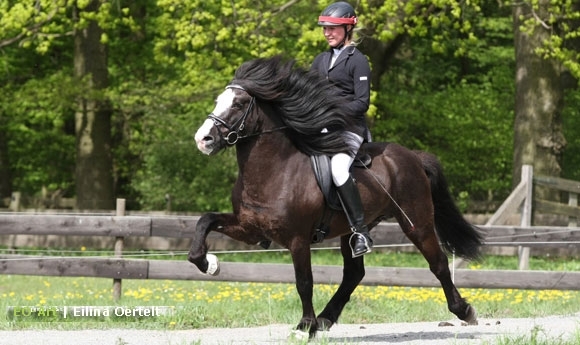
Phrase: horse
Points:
(279, 115)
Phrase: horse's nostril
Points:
(208, 138)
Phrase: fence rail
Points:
(279, 273)
(183, 227)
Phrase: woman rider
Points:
(348, 70)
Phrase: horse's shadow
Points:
(403, 337)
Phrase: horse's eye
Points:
(237, 106)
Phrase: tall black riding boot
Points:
(360, 241)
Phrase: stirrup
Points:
(366, 242)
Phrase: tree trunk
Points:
(538, 137)
(94, 164)
(569, 81)
(380, 55)
(5, 176)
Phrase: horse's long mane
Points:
(304, 101)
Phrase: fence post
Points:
(572, 201)
(167, 202)
(120, 212)
(526, 219)
(15, 201)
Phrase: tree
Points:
(538, 136)
(539, 101)
(46, 26)
(36, 87)
(545, 33)
(442, 71)
(94, 164)
(197, 45)
(5, 176)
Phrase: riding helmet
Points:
(337, 14)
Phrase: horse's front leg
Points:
(208, 263)
(300, 251)
(225, 223)
(353, 273)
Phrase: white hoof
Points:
(299, 336)
(213, 265)
(471, 318)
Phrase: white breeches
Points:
(340, 163)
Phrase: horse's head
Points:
(226, 122)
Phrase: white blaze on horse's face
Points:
(205, 141)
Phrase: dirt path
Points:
(424, 333)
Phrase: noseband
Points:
(233, 135)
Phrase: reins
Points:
(390, 196)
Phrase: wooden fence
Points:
(45, 200)
(522, 198)
(120, 227)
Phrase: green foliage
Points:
(199, 45)
(40, 141)
(448, 91)
(561, 18)
(457, 108)
(174, 168)
(571, 124)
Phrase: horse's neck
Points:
(268, 164)
(267, 152)
(267, 172)
(271, 148)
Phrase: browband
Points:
(334, 20)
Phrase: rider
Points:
(347, 69)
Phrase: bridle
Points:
(233, 133)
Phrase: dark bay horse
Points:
(273, 113)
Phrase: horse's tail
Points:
(455, 233)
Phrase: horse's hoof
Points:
(213, 265)
(471, 317)
(324, 324)
(299, 335)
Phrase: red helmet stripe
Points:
(334, 20)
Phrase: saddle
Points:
(321, 167)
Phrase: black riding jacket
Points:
(351, 73)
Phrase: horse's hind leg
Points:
(426, 241)
(353, 273)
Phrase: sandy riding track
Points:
(425, 333)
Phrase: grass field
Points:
(224, 304)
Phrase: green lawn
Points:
(200, 304)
